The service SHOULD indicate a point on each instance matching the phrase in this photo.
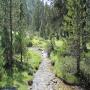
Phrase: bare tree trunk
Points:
(5, 37)
(78, 52)
(21, 17)
(84, 47)
(78, 33)
(83, 24)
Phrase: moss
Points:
(72, 79)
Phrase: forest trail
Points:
(45, 79)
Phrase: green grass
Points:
(65, 68)
(59, 43)
(40, 42)
(33, 58)
(57, 69)
(85, 64)
(22, 80)
(53, 57)
(19, 80)
(20, 75)
(88, 45)
(72, 79)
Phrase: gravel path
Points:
(44, 78)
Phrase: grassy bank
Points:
(65, 66)
(22, 72)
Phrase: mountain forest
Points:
(44, 44)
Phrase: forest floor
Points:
(45, 79)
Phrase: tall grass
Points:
(22, 73)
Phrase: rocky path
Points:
(45, 79)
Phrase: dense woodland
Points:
(61, 27)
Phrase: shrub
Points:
(37, 41)
(33, 58)
(85, 66)
(65, 68)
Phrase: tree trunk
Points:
(21, 18)
(6, 37)
(21, 56)
(78, 33)
(11, 37)
(78, 54)
(83, 24)
(84, 47)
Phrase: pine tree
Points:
(7, 34)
